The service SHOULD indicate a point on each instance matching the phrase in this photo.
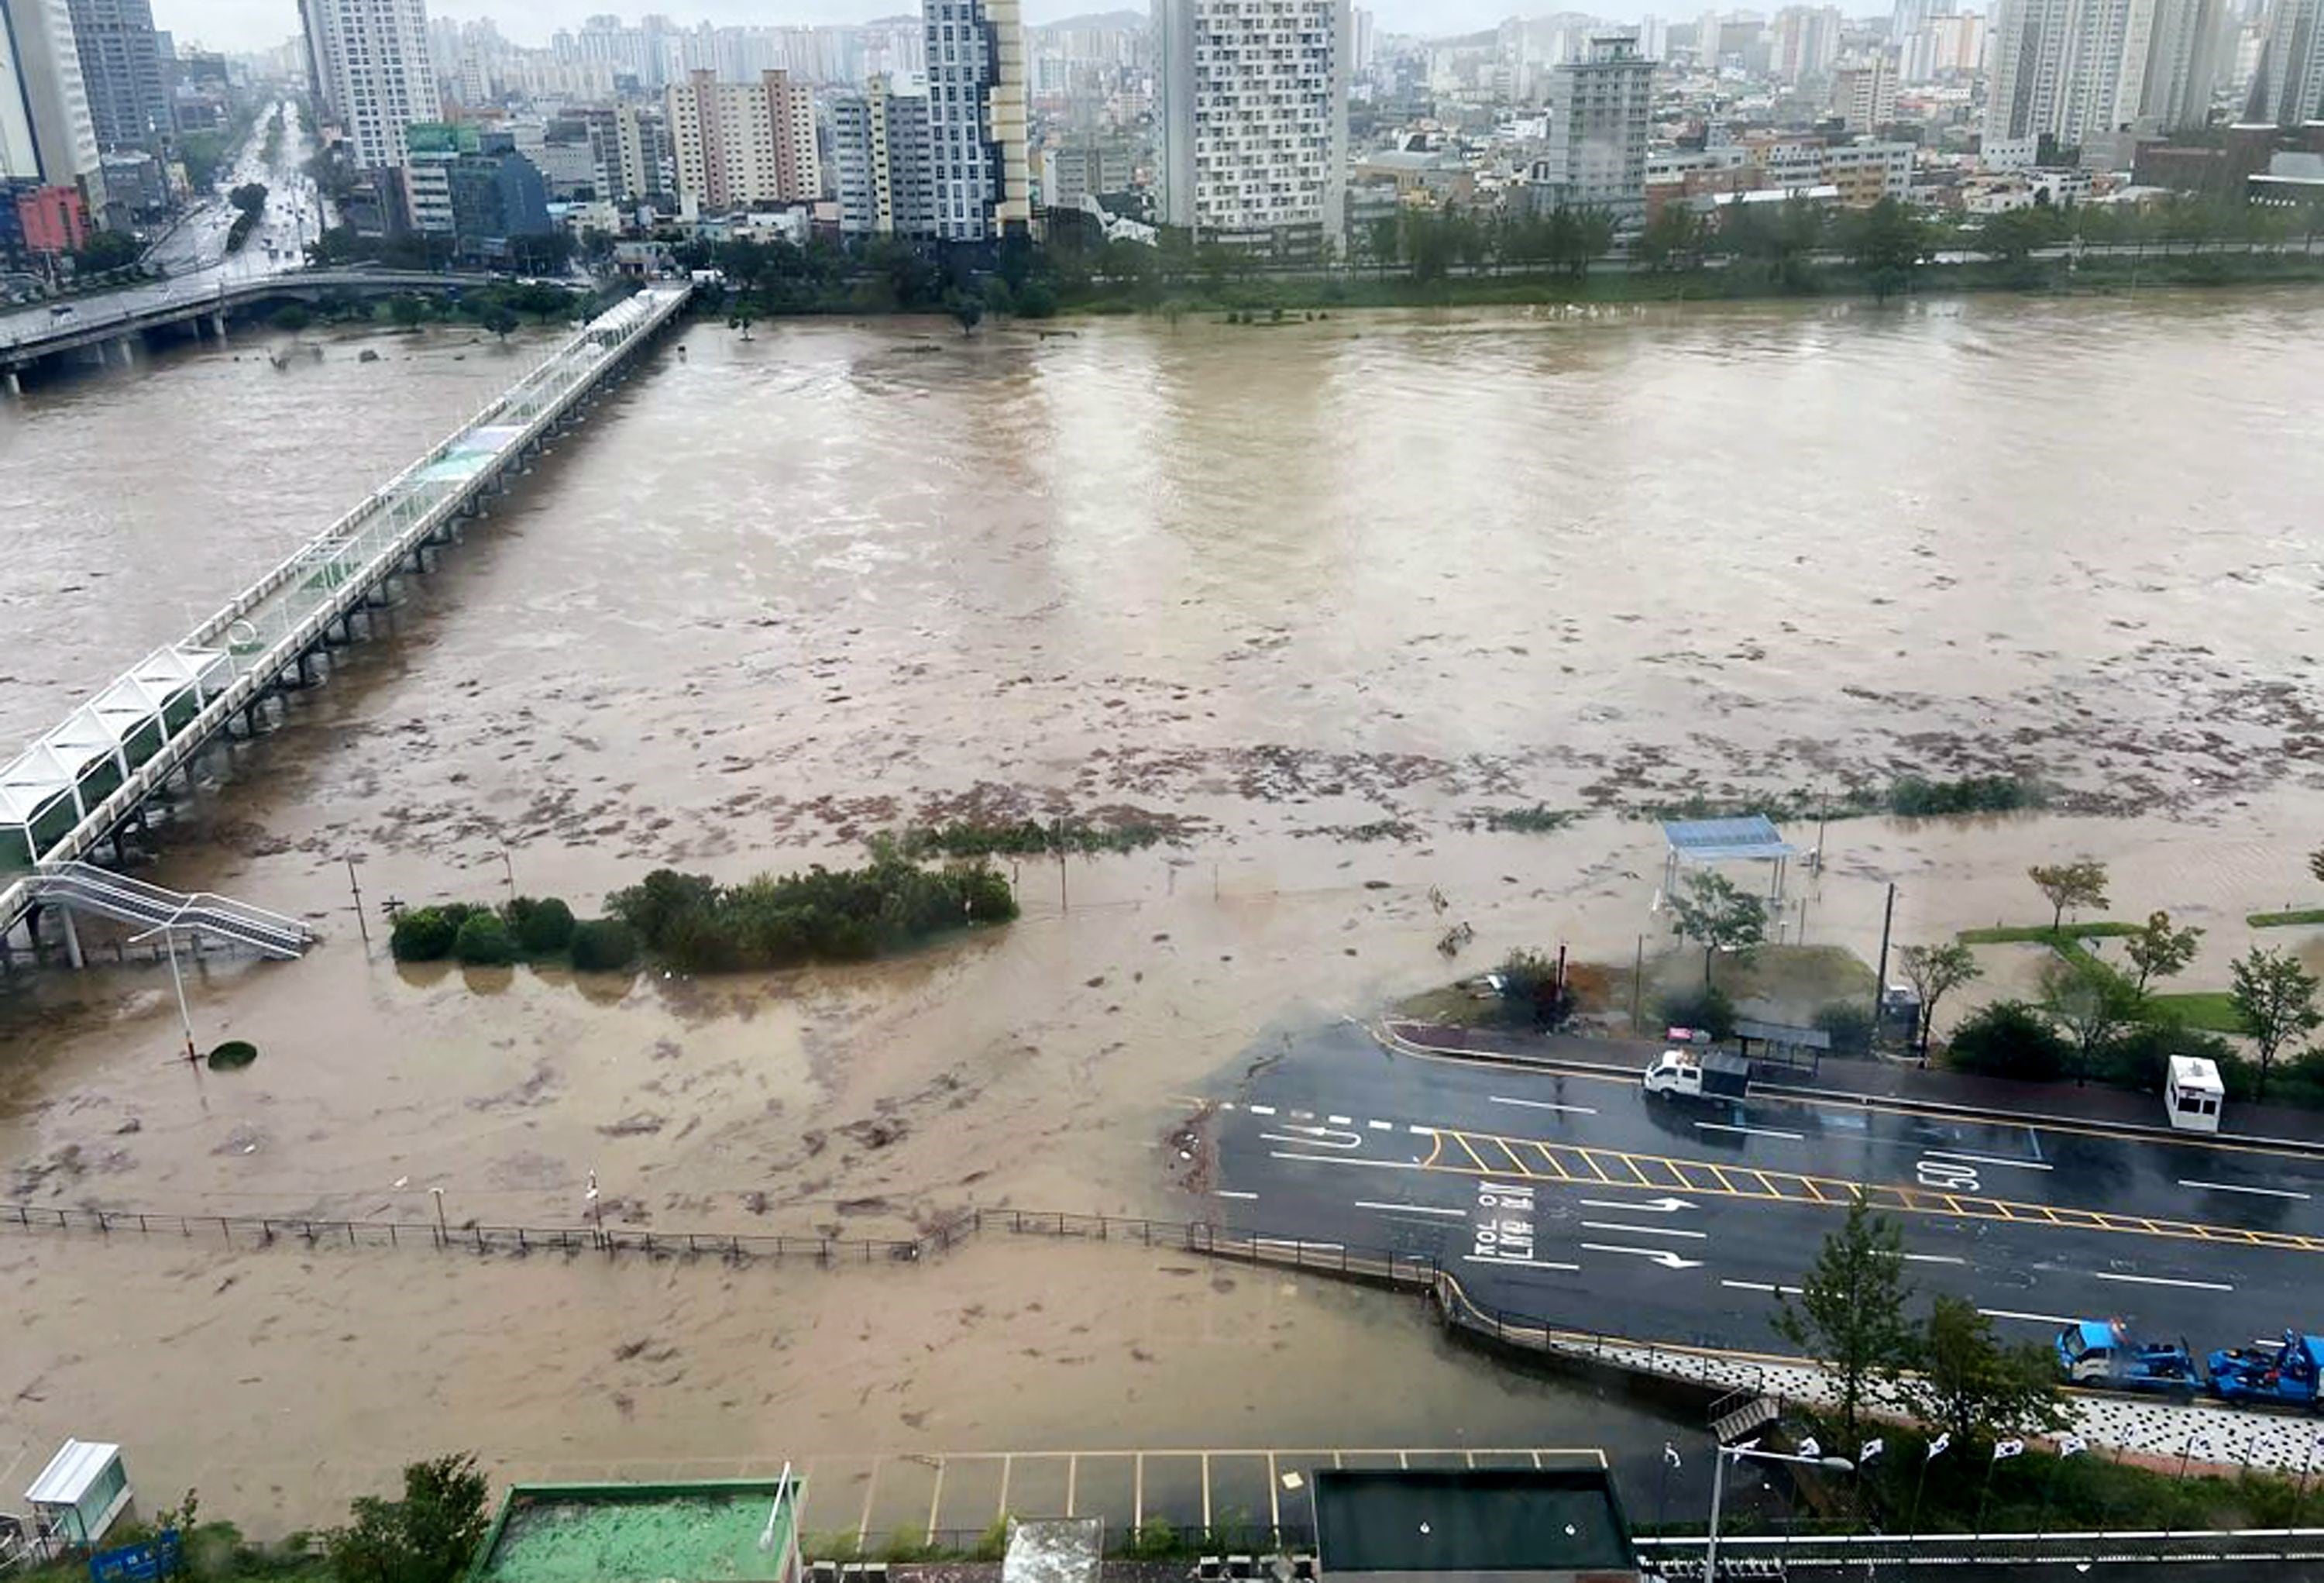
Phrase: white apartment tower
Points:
(47, 133)
(880, 152)
(1252, 96)
(2082, 70)
(1864, 92)
(1600, 109)
(2288, 83)
(368, 64)
(977, 118)
(738, 143)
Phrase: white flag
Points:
(1808, 1448)
(2005, 1449)
(2071, 1445)
(1670, 1455)
(1872, 1448)
(1937, 1447)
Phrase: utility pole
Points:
(1880, 979)
(363, 924)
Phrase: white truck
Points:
(1685, 1074)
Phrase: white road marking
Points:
(1543, 1105)
(2003, 1313)
(2163, 1280)
(1659, 1206)
(1721, 1127)
(1411, 1209)
(1381, 1126)
(1340, 1120)
(1260, 1109)
(1344, 1160)
(1986, 1159)
(1761, 1286)
(1224, 1194)
(1658, 1255)
(1643, 1230)
(1317, 1138)
(1934, 1259)
(2228, 1187)
(1418, 1131)
(1302, 1115)
(1522, 1264)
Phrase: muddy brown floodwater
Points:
(1281, 584)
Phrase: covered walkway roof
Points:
(1754, 839)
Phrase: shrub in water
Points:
(484, 941)
(603, 945)
(426, 934)
(542, 927)
(232, 1055)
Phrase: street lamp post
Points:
(1719, 1489)
(168, 933)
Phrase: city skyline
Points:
(260, 24)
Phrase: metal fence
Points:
(1682, 1556)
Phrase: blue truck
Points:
(2102, 1352)
(2285, 1375)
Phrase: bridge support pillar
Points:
(15, 384)
(217, 324)
(72, 937)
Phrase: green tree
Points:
(1383, 238)
(1849, 1315)
(2159, 950)
(1529, 986)
(1673, 239)
(1935, 972)
(498, 318)
(2316, 863)
(406, 311)
(2012, 236)
(2275, 1001)
(1971, 1386)
(1719, 915)
(430, 1536)
(2090, 1001)
(1888, 242)
(2081, 883)
(484, 941)
(967, 310)
(2008, 1039)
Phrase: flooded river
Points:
(1318, 593)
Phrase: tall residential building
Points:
(1943, 47)
(1805, 42)
(1360, 42)
(2082, 70)
(1252, 96)
(742, 143)
(884, 163)
(1864, 92)
(121, 67)
(49, 131)
(1600, 108)
(2288, 77)
(1084, 168)
(647, 166)
(976, 117)
(368, 65)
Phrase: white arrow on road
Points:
(1659, 1206)
(1660, 1256)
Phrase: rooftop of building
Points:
(1469, 1523)
(701, 1532)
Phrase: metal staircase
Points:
(90, 889)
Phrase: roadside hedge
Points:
(824, 914)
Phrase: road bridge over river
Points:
(110, 321)
(82, 784)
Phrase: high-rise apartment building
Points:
(737, 144)
(46, 130)
(1805, 42)
(1942, 48)
(976, 117)
(1252, 96)
(647, 167)
(2288, 77)
(1084, 168)
(884, 163)
(1600, 109)
(121, 69)
(368, 64)
(2080, 71)
(1864, 92)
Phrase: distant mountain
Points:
(1099, 19)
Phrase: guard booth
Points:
(2194, 1095)
(80, 1493)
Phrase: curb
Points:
(2309, 1147)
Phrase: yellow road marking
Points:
(1789, 1187)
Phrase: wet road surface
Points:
(1578, 1197)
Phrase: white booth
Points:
(80, 1493)
(2195, 1094)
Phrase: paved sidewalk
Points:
(1876, 1080)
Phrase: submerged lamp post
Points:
(168, 933)
(1718, 1486)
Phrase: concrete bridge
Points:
(108, 324)
(87, 781)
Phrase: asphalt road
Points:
(194, 252)
(1577, 1199)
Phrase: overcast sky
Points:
(257, 24)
